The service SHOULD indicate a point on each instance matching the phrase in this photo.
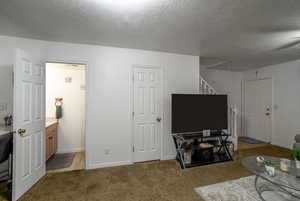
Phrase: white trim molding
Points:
(169, 157)
(73, 150)
(107, 164)
(87, 89)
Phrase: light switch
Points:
(82, 87)
(3, 107)
(68, 79)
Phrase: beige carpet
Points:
(153, 181)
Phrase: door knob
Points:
(21, 131)
(158, 119)
(267, 113)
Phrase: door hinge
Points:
(133, 114)
(133, 149)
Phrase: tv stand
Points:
(189, 145)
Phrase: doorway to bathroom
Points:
(65, 117)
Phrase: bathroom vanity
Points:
(51, 138)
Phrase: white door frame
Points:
(244, 105)
(86, 166)
(161, 69)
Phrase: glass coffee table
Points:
(283, 186)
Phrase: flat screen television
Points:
(193, 113)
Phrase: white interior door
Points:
(258, 109)
(29, 123)
(147, 113)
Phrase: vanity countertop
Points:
(8, 129)
(50, 121)
(5, 129)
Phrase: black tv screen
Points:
(197, 112)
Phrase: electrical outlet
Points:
(106, 151)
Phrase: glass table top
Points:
(289, 179)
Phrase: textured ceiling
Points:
(241, 33)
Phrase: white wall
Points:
(108, 124)
(70, 127)
(6, 91)
(286, 93)
(108, 95)
(227, 82)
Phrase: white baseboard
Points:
(72, 150)
(169, 157)
(108, 164)
(120, 163)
